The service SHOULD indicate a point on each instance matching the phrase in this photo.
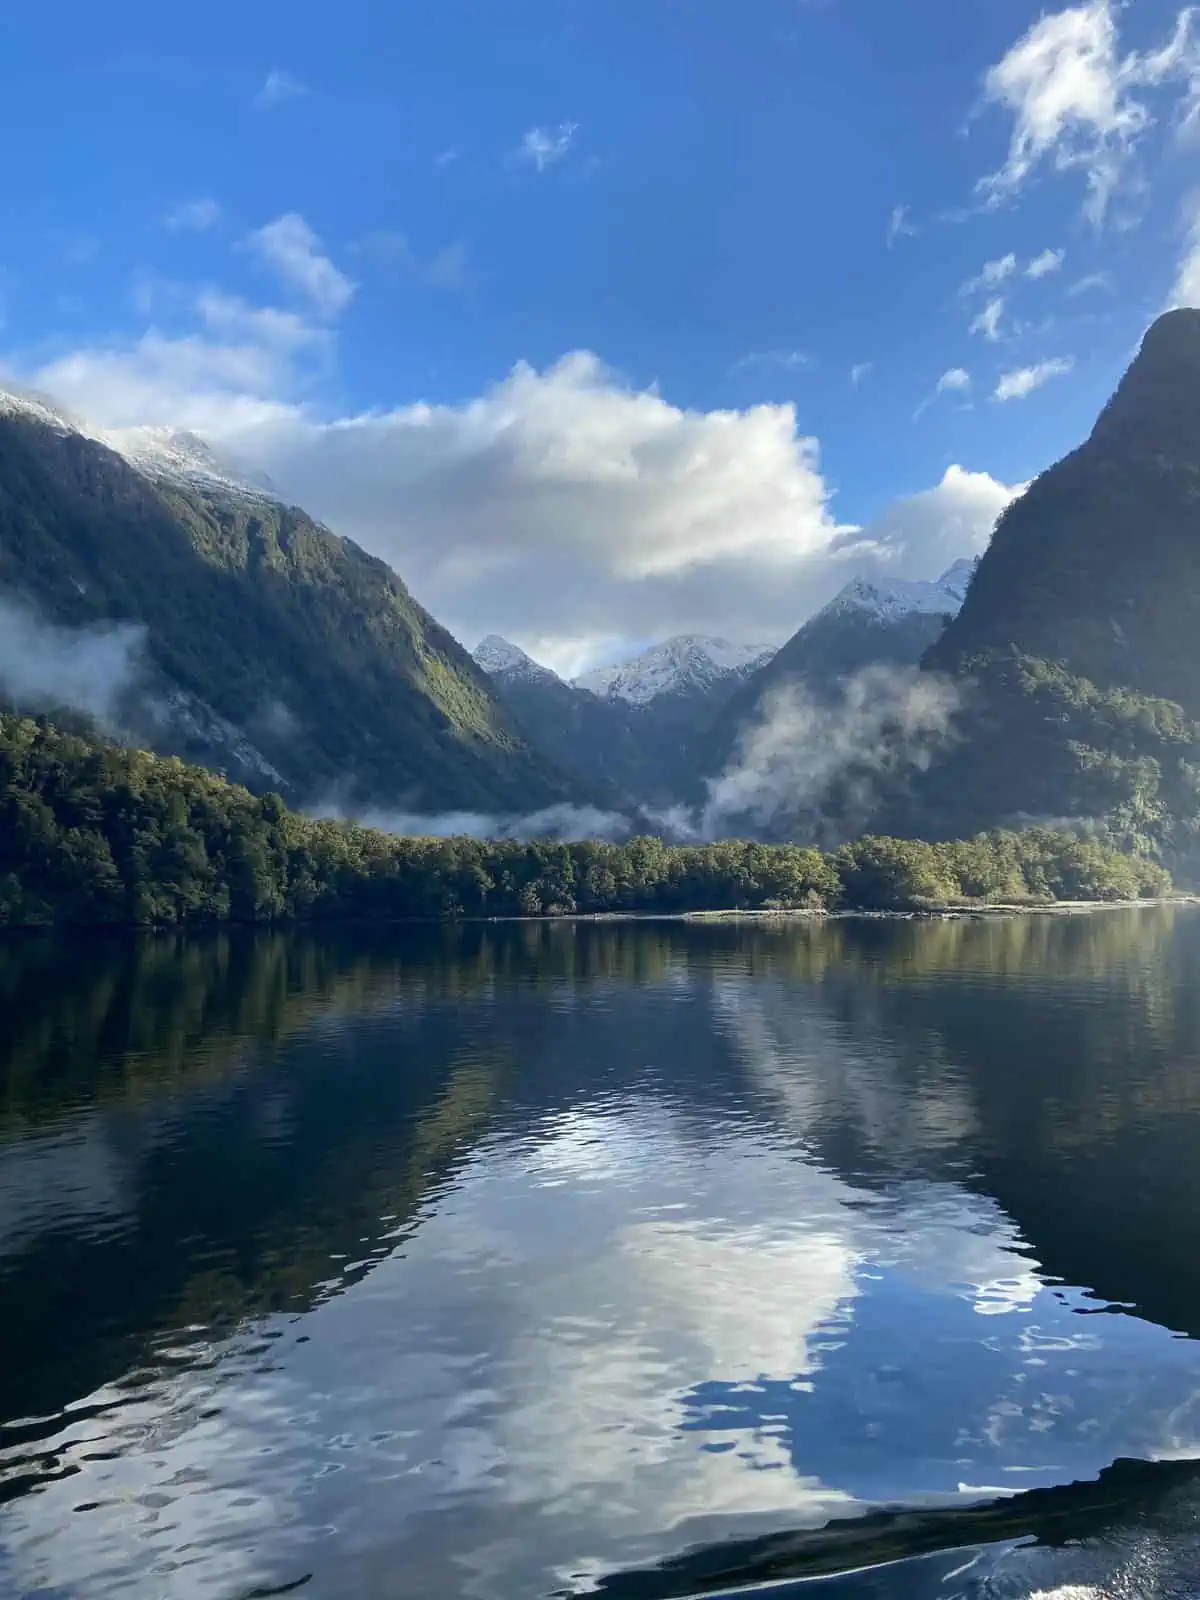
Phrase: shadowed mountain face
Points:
(1097, 565)
(260, 642)
(627, 731)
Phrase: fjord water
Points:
(645, 1260)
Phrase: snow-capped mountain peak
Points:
(177, 456)
(900, 597)
(165, 454)
(499, 658)
(689, 661)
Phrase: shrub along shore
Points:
(94, 834)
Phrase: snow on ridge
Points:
(686, 661)
(166, 454)
(498, 656)
(904, 596)
(177, 456)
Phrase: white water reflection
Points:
(612, 1335)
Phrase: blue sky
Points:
(270, 223)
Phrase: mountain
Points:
(1097, 565)
(1075, 658)
(689, 665)
(624, 730)
(254, 639)
(595, 740)
(866, 624)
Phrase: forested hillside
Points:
(257, 621)
(96, 834)
(1097, 565)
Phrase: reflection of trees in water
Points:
(280, 1099)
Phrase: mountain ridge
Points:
(262, 620)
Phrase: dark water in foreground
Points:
(644, 1261)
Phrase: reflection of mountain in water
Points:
(877, 1116)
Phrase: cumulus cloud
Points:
(1016, 385)
(1077, 102)
(860, 371)
(543, 147)
(277, 87)
(564, 508)
(295, 253)
(922, 534)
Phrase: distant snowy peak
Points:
(498, 658)
(902, 597)
(687, 662)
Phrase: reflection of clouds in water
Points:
(614, 1327)
(812, 1067)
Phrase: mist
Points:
(90, 670)
(561, 822)
(824, 764)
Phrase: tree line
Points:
(94, 834)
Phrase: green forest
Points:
(94, 834)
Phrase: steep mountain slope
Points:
(595, 740)
(1097, 565)
(865, 624)
(625, 729)
(268, 645)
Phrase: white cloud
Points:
(899, 227)
(193, 216)
(1094, 280)
(987, 322)
(295, 252)
(958, 379)
(992, 274)
(564, 508)
(1186, 289)
(277, 87)
(923, 533)
(542, 147)
(786, 360)
(1042, 266)
(1073, 97)
(860, 371)
(1023, 381)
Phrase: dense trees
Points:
(95, 834)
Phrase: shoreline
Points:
(938, 912)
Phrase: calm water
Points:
(642, 1261)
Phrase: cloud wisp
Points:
(1022, 381)
(295, 253)
(1078, 103)
(278, 87)
(541, 148)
